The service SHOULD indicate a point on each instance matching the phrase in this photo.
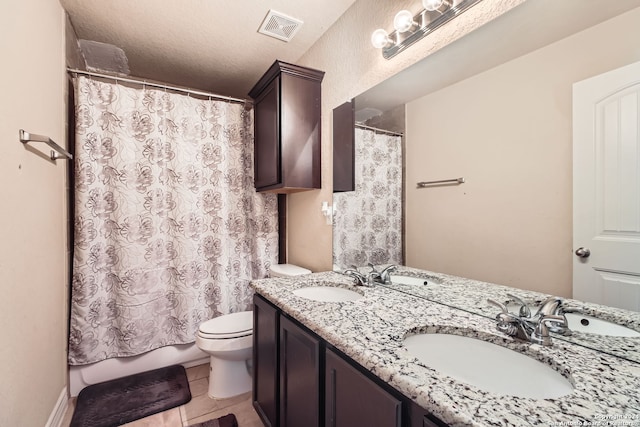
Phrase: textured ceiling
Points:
(210, 45)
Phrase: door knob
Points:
(583, 252)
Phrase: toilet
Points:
(287, 270)
(228, 340)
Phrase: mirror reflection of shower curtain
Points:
(368, 221)
(168, 229)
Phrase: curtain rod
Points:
(388, 132)
(141, 81)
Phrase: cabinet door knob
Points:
(583, 252)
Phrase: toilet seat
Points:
(234, 325)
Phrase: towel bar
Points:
(444, 181)
(57, 152)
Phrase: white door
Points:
(606, 188)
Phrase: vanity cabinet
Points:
(286, 369)
(299, 377)
(352, 399)
(299, 380)
(266, 328)
(422, 418)
(287, 129)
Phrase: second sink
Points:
(488, 366)
(412, 281)
(327, 294)
(591, 325)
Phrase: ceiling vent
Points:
(280, 26)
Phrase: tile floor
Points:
(200, 408)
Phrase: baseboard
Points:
(57, 415)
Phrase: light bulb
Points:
(403, 21)
(380, 39)
(432, 5)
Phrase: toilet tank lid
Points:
(229, 323)
(286, 270)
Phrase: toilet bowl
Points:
(228, 340)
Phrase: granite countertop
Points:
(471, 295)
(370, 330)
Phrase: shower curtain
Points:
(368, 221)
(168, 229)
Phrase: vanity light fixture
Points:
(404, 22)
(380, 39)
(409, 29)
(432, 5)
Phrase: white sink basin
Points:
(327, 294)
(412, 281)
(488, 366)
(591, 325)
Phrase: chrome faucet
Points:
(554, 306)
(362, 279)
(359, 278)
(384, 276)
(510, 324)
(372, 277)
(541, 335)
(524, 308)
(526, 327)
(550, 306)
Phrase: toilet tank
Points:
(287, 270)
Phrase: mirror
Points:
(368, 223)
(497, 110)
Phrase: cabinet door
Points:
(422, 418)
(265, 361)
(299, 377)
(344, 147)
(353, 400)
(300, 105)
(267, 136)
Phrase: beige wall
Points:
(508, 132)
(352, 66)
(33, 306)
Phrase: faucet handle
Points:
(549, 306)
(540, 334)
(563, 328)
(385, 274)
(499, 305)
(359, 278)
(524, 308)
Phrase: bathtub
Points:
(186, 355)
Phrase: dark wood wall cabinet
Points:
(299, 380)
(287, 129)
(344, 147)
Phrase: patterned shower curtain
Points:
(368, 221)
(168, 229)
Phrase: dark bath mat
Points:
(119, 401)
(226, 421)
